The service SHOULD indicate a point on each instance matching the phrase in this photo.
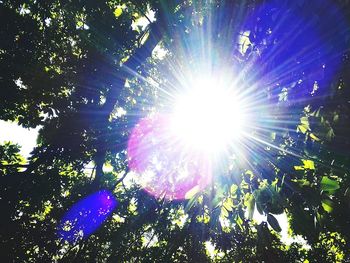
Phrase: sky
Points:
(26, 138)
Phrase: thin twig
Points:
(144, 14)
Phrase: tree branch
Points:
(127, 70)
(14, 165)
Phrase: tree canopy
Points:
(93, 74)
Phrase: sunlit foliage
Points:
(92, 74)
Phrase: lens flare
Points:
(86, 216)
(219, 100)
(163, 167)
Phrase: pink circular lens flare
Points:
(164, 167)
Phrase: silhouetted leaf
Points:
(273, 223)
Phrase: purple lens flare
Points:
(86, 216)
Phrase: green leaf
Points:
(191, 201)
(298, 167)
(224, 212)
(329, 185)
(192, 192)
(233, 189)
(314, 137)
(118, 11)
(239, 222)
(327, 205)
(228, 204)
(273, 223)
(304, 125)
(302, 128)
(308, 164)
(251, 206)
(304, 121)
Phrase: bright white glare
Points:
(209, 116)
(26, 138)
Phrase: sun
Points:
(209, 115)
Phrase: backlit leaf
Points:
(328, 184)
(251, 206)
(327, 205)
(224, 212)
(191, 193)
(314, 137)
(233, 189)
(228, 204)
(308, 164)
(118, 11)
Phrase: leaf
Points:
(319, 218)
(218, 198)
(80, 24)
(302, 128)
(233, 189)
(239, 222)
(303, 182)
(327, 205)
(191, 202)
(304, 121)
(251, 206)
(273, 223)
(118, 11)
(329, 185)
(224, 212)
(260, 208)
(228, 204)
(250, 173)
(298, 168)
(308, 164)
(304, 125)
(191, 193)
(107, 167)
(314, 137)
